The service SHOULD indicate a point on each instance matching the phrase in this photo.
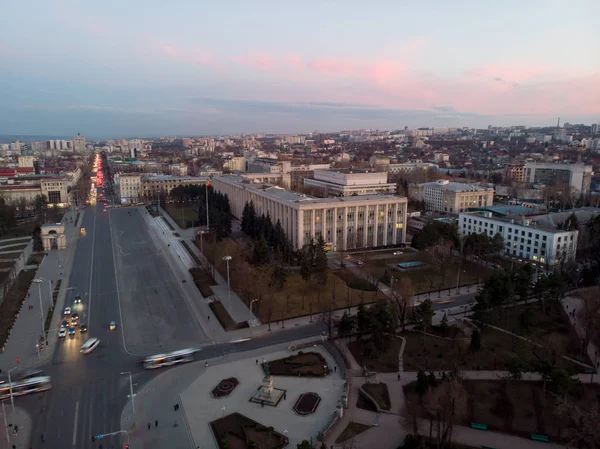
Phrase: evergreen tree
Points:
(475, 340)
(246, 218)
(261, 252)
(320, 261)
(346, 326)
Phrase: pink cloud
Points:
(258, 61)
(194, 56)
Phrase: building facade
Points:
(578, 176)
(235, 164)
(56, 191)
(451, 197)
(129, 187)
(344, 222)
(524, 237)
(79, 143)
(411, 167)
(163, 184)
(350, 182)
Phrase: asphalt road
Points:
(122, 278)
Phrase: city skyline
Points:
(106, 70)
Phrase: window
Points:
(544, 238)
(559, 239)
(529, 235)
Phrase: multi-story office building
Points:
(264, 165)
(515, 172)
(350, 182)
(411, 167)
(129, 187)
(451, 197)
(578, 176)
(344, 222)
(79, 144)
(163, 184)
(525, 237)
(55, 190)
(235, 164)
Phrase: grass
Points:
(12, 303)
(168, 223)
(352, 429)
(185, 216)
(305, 364)
(296, 298)
(7, 264)
(239, 432)
(11, 255)
(552, 328)
(35, 259)
(426, 279)
(379, 393)
(191, 253)
(12, 246)
(152, 211)
(224, 318)
(518, 407)
(382, 363)
(203, 280)
(496, 352)
(8, 241)
(355, 282)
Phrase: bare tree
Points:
(581, 424)
(589, 316)
(403, 293)
(440, 257)
(411, 414)
(446, 404)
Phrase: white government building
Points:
(344, 222)
(350, 181)
(527, 237)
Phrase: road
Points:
(122, 277)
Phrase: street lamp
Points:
(223, 410)
(201, 234)
(131, 392)
(227, 259)
(252, 302)
(12, 398)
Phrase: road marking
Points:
(75, 425)
(112, 246)
(89, 311)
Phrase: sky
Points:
(115, 68)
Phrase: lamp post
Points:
(12, 398)
(227, 259)
(252, 302)
(130, 391)
(41, 307)
(201, 234)
(207, 222)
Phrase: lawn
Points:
(296, 298)
(224, 318)
(517, 407)
(190, 252)
(383, 363)
(12, 303)
(351, 430)
(552, 329)
(185, 217)
(305, 364)
(426, 279)
(35, 259)
(203, 280)
(379, 393)
(239, 432)
(496, 352)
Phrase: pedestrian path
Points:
(20, 350)
(18, 427)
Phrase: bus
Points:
(169, 359)
(26, 386)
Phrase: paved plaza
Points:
(191, 386)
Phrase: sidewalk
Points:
(20, 418)
(22, 341)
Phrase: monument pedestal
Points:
(267, 394)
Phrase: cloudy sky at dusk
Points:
(141, 68)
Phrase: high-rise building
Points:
(595, 128)
(79, 143)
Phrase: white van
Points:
(90, 345)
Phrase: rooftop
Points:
(158, 178)
(457, 186)
(507, 210)
(295, 197)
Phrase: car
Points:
(71, 331)
(82, 230)
(398, 253)
(90, 345)
(344, 264)
(77, 299)
(67, 311)
(112, 326)
(104, 211)
(74, 321)
(74, 316)
(359, 262)
(82, 329)
(65, 323)
(62, 333)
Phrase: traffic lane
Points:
(156, 315)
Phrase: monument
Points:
(267, 394)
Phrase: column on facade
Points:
(386, 222)
(376, 226)
(334, 231)
(395, 224)
(365, 225)
(300, 227)
(345, 227)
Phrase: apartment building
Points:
(448, 197)
(153, 184)
(235, 164)
(578, 176)
(524, 237)
(349, 182)
(344, 222)
(515, 172)
(411, 167)
(129, 187)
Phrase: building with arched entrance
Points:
(53, 236)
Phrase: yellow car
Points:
(112, 326)
(82, 230)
